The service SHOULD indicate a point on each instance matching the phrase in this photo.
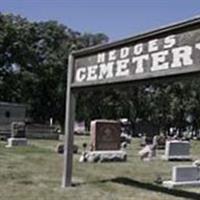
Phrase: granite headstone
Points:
(105, 143)
(177, 150)
(185, 175)
(18, 130)
(105, 135)
(18, 135)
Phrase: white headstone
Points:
(187, 175)
(12, 142)
(177, 150)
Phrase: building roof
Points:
(3, 103)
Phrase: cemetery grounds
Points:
(35, 173)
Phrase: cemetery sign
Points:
(168, 51)
(158, 53)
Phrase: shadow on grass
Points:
(156, 188)
(149, 186)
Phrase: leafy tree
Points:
(33, 63)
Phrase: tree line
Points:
(33, 70)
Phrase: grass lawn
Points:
(35, 173)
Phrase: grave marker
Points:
(177, 150)
(18, 135)
(105, 135)
(185, 175)
(105, 142)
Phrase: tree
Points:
(33, 63)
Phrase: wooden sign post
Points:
(69, 121)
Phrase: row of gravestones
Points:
(105, 137)
(182, 175)
(105, 146)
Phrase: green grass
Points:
(35, 173)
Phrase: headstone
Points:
(18, 130)
(17, 142)
(105, 143)
(177, 150)
(18, 135)
(183, 176)
(105, 135)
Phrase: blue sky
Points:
(116, 18)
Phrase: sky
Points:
(118, 19)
